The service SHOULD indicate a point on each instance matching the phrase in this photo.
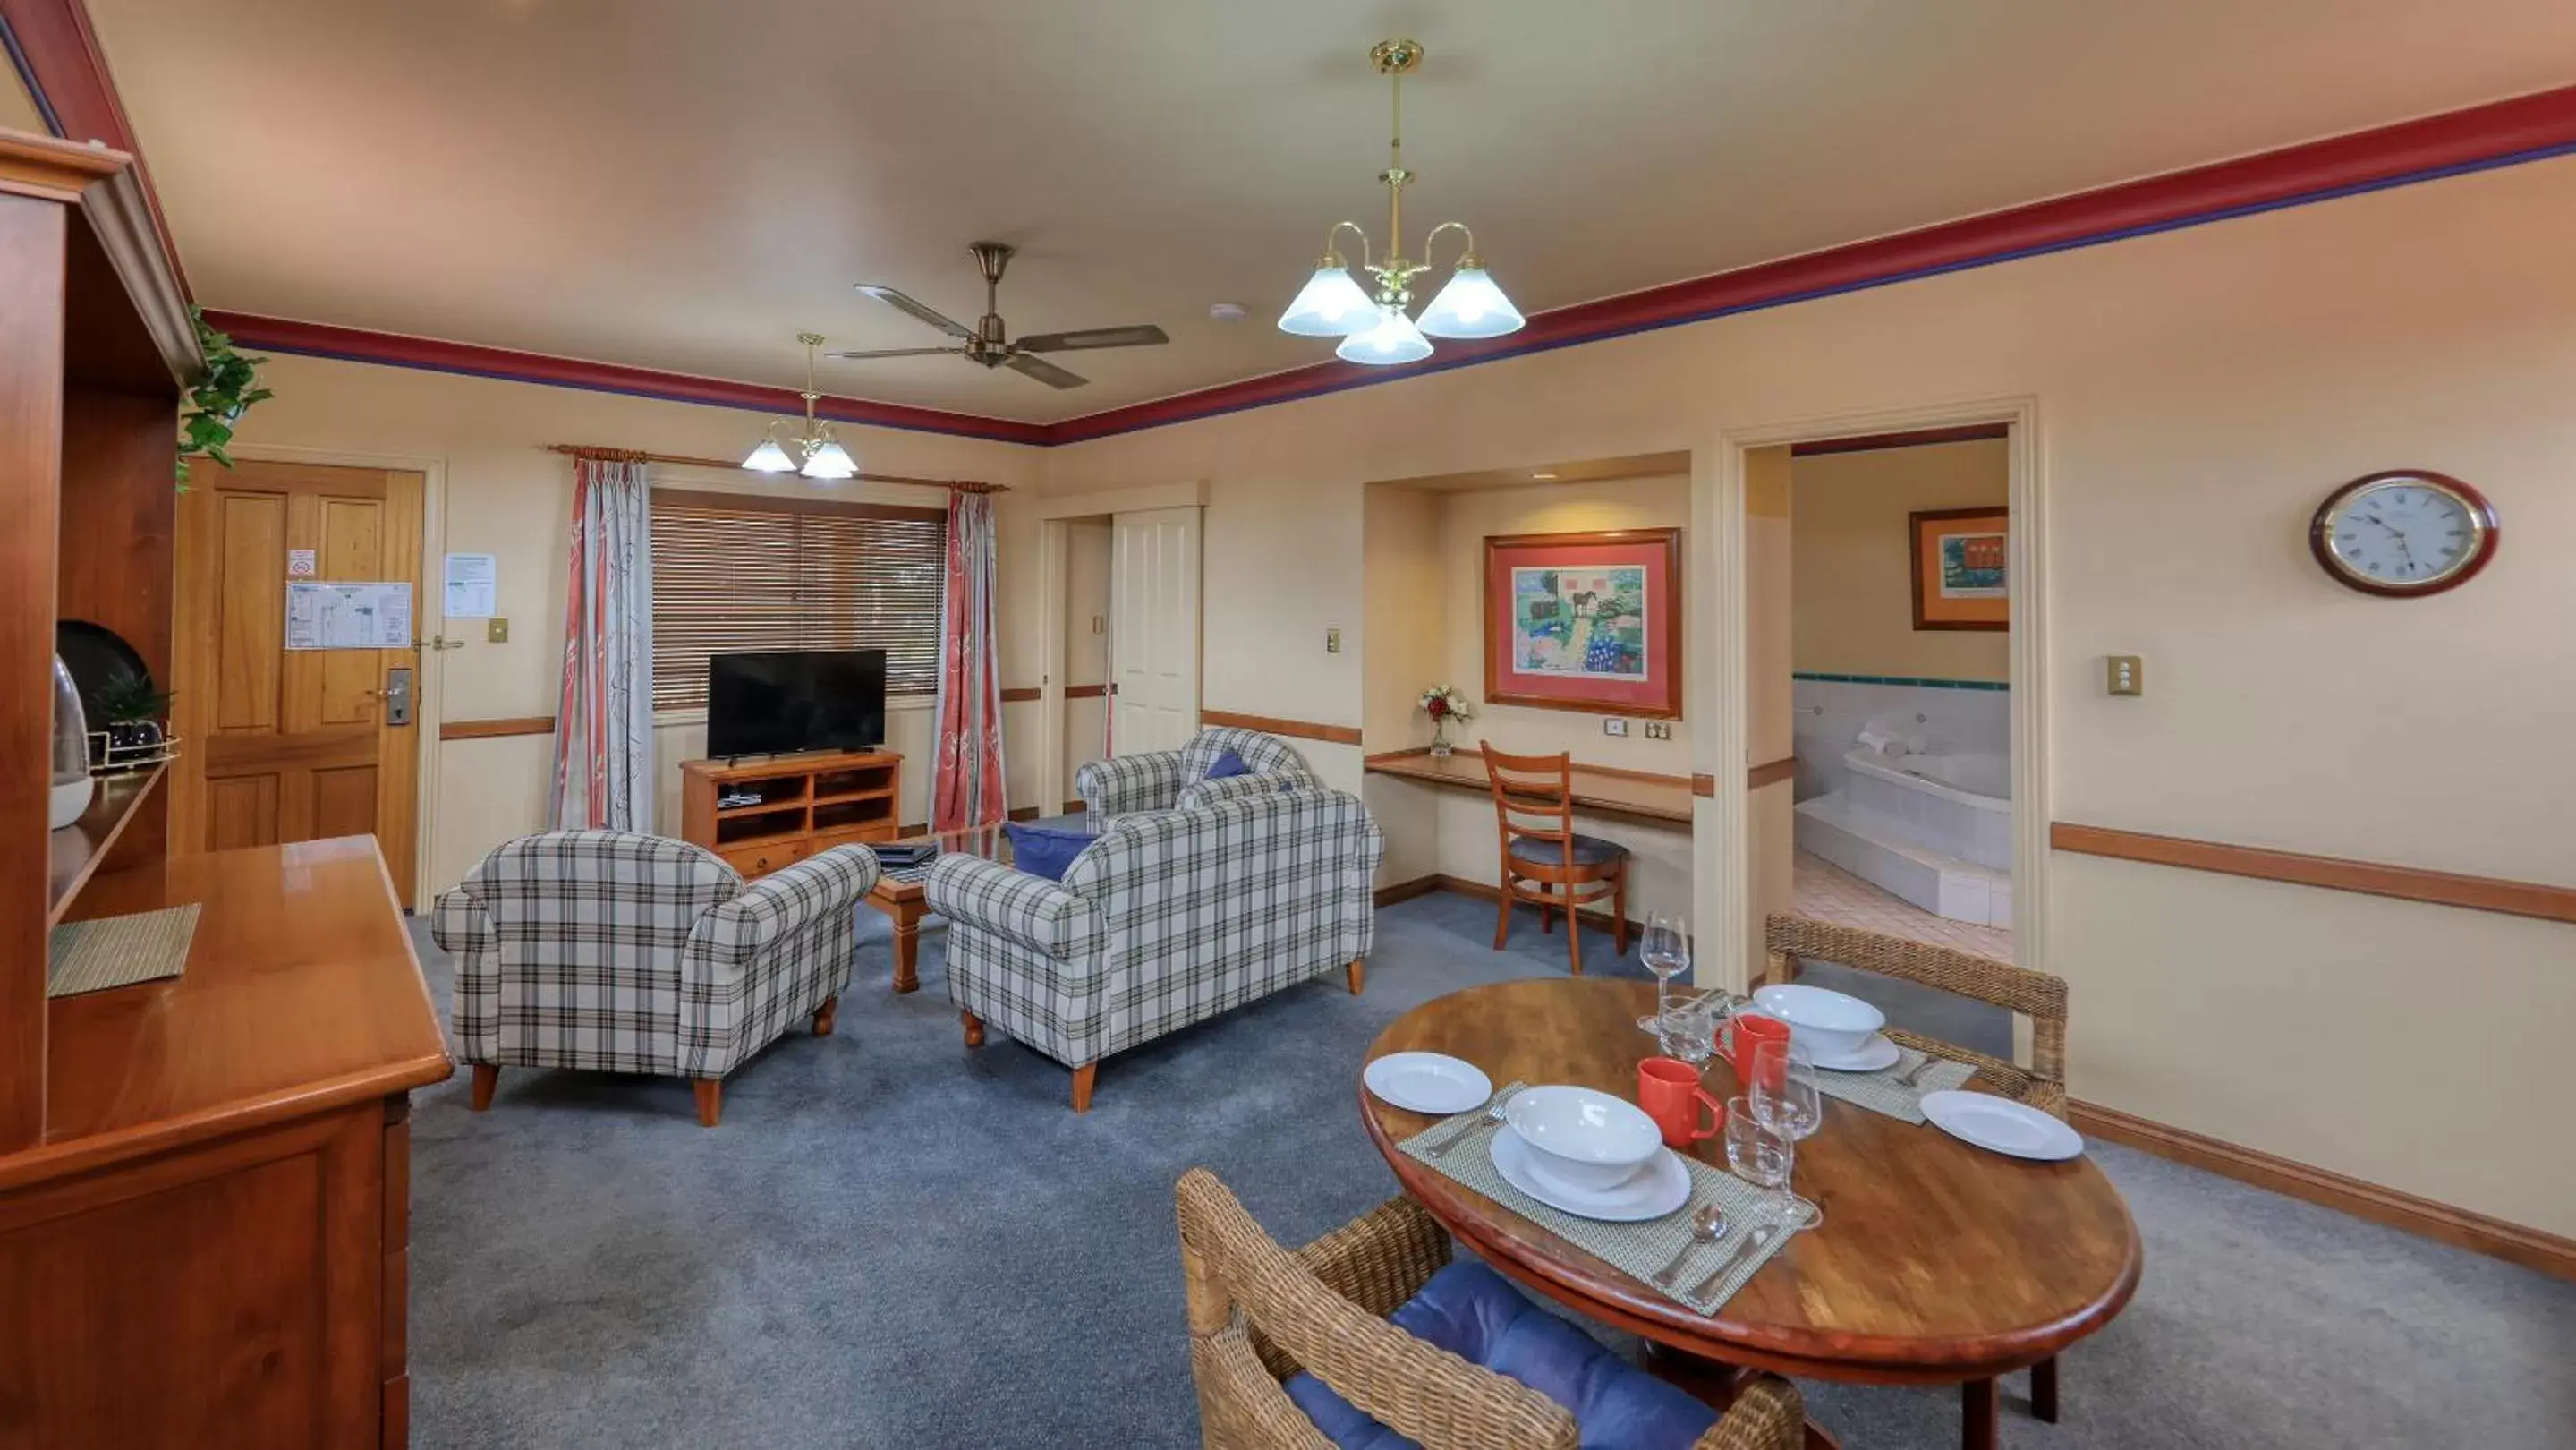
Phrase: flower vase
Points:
(1440, 746)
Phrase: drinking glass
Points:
(1761, 1156)
(1666, 950)
(1781, 1090)
(1688, 1031)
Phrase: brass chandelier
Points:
(1375, 329)
(817, 454)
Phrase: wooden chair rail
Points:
(2406, 883)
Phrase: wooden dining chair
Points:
(1261, 1315)
(1544, 861)
(2039, 996)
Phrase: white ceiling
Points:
(682, 184)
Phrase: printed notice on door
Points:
(348, 616)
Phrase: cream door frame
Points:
(428, 706)
(1721, 693)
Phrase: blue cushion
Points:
(1472, 1312)
(1227, 763)
(1045, 850)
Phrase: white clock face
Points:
(2404, 533)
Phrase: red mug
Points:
(1669, 1091)
(1742, 1033)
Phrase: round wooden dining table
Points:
(1936, 1262)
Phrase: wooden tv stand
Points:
(808, 803)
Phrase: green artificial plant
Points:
(216, 404)
(127, 698)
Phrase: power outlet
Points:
(1615, 726)
(1659, 729)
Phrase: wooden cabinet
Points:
(767, 816)
(204, 1180)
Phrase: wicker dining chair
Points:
(2038, 996)
(1260, 1313)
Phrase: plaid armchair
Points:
(1169, 918)
(614, 952)
(1162, 779)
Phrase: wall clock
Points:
(2404, 533)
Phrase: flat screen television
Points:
(776, 704)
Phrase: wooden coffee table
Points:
(905, 904)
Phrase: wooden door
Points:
(1154, 628)
(283, 744)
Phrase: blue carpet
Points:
(893, 1241)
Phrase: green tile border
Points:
(1823, 678)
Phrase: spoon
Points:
(1708, 1225)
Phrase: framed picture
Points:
(1585, 621)
(1960, 562)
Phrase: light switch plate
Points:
(2125, 675)
(498, 631)
(1332, 641)
(1614, 726)
(1659, 729)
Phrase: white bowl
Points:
(1588, 1140)
(1830, 1025)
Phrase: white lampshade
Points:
(1393, 340)
(1470, 306)
(1331, 304)
(830, 461)
(769, 458)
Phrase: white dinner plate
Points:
(1875, 1054)
(2002, 1125)
(1428, 1082)
(1660, 1187)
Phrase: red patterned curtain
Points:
(966, 773)
(604, 718)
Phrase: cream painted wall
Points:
(2198, 392)
(1853, 611)
(505, 496)
(1466, 519)
(1405, 581)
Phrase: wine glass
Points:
(1666, 950)
(1781, 1090)
(1760, 1155)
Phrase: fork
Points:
(1493, 1112)
(1915, 1073)
(1750, 1248)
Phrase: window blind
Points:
(744, 573)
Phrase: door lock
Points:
(397, 694)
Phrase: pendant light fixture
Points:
(1374, 328)
(813, 453)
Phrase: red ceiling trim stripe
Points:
(63, 65)
(350, 344)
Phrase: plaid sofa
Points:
(1162, 779)
(1170, 917)
(618, 952)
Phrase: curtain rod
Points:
(637, 455)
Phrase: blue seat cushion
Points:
(1045, 850)
(1472, 1312)
(1588, 851)
(1227, 764)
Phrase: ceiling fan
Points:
(988, 344)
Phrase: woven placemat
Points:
(1880, 1092)
(118, 951)
(1639, 1249)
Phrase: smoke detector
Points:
(1226, 311)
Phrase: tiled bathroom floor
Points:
(1829, 893)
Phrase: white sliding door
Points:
(1154, 629)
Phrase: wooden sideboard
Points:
(806, 804)
(210, 1246)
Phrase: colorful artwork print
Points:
(1587, 623)
(1962, 568)
(1972, 566)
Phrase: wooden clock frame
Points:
(2481, 513)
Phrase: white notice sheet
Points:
(348, 616)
